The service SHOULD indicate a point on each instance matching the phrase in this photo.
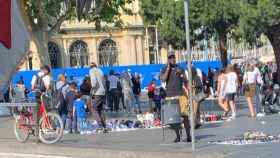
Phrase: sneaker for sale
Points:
(260, 114)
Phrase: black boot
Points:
(177, 131)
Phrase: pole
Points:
(157, 52)
(187, 25)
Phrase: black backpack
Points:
(60, 100)
(39, 84)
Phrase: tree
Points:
(211, 17)
(262, 17)
(216, 18)
(46, 16)
(168, 15)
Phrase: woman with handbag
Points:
(199, 96)
(249, 82)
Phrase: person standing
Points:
(136, 81)
(221, 93)
(85, 89)
(175, 80)
(249, 82)
(127, 91)
(114, 91)
(79, 109)
(71, 123)
(98, 95)
(61, 88)
(40, 84)
(151, 88)
(230, 89)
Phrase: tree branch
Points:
(58, 23)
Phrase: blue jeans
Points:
(258, 99)
(137, 102)
(71, 123)
(82, 124)
(64, 118)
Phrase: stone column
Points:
(139, 50)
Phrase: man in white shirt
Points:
(98, 95)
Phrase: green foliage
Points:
(47, 15)
(258, 17)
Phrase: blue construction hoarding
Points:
(147, 72)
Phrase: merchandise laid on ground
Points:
(249, 138)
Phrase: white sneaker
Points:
(65, 132)
(233, 116)
(260, 114)
(89, 132)
(82, 132)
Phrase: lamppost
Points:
(189, 60)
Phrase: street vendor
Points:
(176, 92)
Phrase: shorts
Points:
(230, 96)
(251, 92)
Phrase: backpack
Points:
(39, 84)
(60, 100)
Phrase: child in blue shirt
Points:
(80, 110)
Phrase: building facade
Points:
(80, 44)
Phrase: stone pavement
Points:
(149, 143)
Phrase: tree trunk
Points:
(223, 47)
(41, 39)
(274, 38)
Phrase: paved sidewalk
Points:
(149, 143)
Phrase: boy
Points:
(72, 118)
(80, 110)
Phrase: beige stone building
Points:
(80, 44)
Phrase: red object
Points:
(5, 23)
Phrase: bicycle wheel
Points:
(21, 129)
(51, 128)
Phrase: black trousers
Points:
(114, 100)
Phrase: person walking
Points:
(259, 84)
(230, 89)
(221, 93)
(176, 82)
(98, 95)
(249, 82)
(136, 81)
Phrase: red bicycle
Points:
(50, 125)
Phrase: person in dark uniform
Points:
(176, 82)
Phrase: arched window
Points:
(108, 53)
(54, 53)
(79, 54)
